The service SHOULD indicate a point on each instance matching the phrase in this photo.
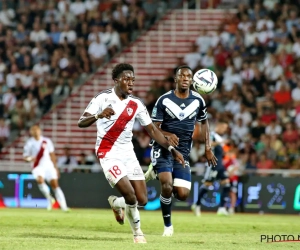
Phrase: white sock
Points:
(60, 197)
(45, 191)
(133, 216)
(119, 202)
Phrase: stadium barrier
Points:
(255, 194)
(9, 166)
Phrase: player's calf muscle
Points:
(181, 193)
(140, 190)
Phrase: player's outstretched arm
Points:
(29, 159)
(172, 138)
(26, 153)
(161, 140)
(211, 158)
(88, 119)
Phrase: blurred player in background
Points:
(175, 114)
(115, 111)
(231, 165)
(39, 150)
(215, 174)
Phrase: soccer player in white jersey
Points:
(115, 111)
(39, 150)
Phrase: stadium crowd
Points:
(47, 47)
(256, 56)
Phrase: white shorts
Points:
(116, 168)
(48, 173)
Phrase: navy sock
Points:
(224, 195)
(202, 191)
(166, 204)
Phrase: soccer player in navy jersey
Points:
(175, 114)
(219, 173)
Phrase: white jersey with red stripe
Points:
(40, 150)
(114, 135)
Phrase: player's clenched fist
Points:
(178, 156)
(173, 140)
(106, 113)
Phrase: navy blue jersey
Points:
(178, 116)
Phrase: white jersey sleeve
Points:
(143, 115)
(94, 106)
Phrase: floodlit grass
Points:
(96, 229)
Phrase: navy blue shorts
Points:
(212, 175)
(162, 161)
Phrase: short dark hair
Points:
(35, 125)
(223, 121)
(183, 67)
(119, 68)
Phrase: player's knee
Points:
(167, 189)
(130, 198)
(54, 184)
(39, 180)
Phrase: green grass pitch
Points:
(30, 229)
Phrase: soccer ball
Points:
(205, 81)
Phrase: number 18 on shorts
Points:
(115, 169)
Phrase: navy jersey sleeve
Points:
(158, 111)
(202, 114)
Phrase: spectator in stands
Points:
(251, 162)
(67, 162)
(273, 128)
(7, 15)
(203, 42)
(150, 7)
(239, 131)
(290, 134)
(193, 58)
(62, 89)
(31, 106)
(111, 39)
(97, 52)
(67, 36)
(18, 115)
(41, 68)
(4, 132)
(38, 34)
(264, 163)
